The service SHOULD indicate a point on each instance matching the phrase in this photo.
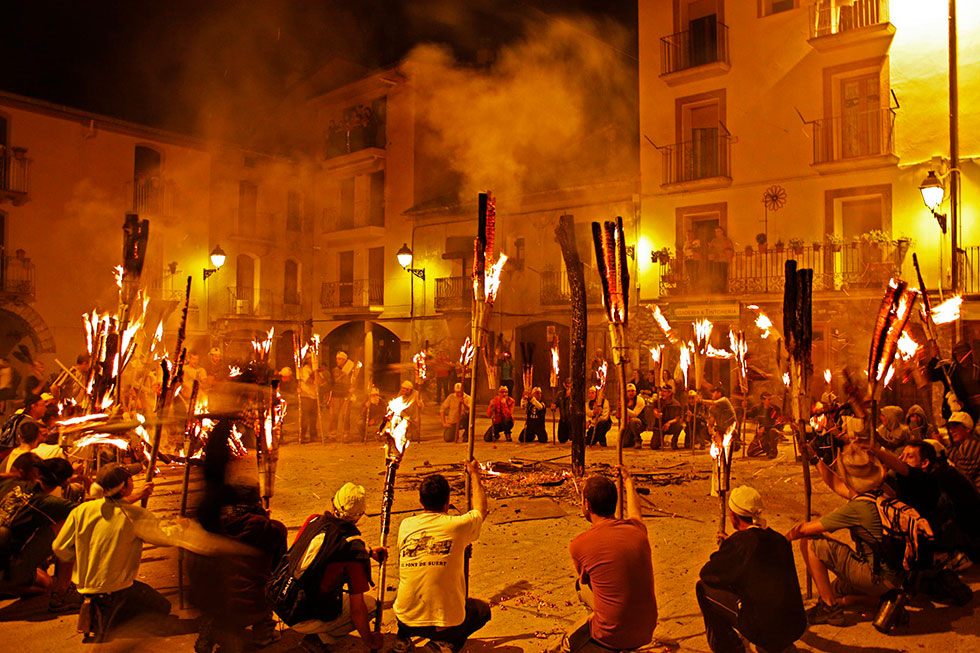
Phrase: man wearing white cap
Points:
(340, 602)
(750, 584)
(341, 380)
(453, 413)
(964, 447)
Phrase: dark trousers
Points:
(505, 425)
(310, 429)
(631, 434)
(533, 430)
(477, 615)
(720, 611)
(449, 433)
(101, 611)
(564, 431)
(597, 434)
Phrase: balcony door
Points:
(146, 179)
(700, 152)
(248, 196)
(861, 116)
(346, 278)
(376, 276)
(244, 284)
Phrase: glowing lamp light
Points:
(404, 256)
(218, 256)
(932, 190)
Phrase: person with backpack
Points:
(28, 436)
(32, 411)
(749, 584)
(863, 571)
(320, 588)
(31, 514)
(432, 601)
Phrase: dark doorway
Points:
(541, 335)
(386, 353)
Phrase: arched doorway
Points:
(384, 354)
(537, 337)
(20, 344)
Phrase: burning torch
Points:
(553, 379)
(394, 428)
(610, 254)
(722, 455)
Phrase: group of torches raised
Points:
(98, 424)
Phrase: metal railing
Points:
(692, 48)
(15, 171)
(454, 293)
(360, 137)
(152, 196)
(704, 158)
(852, 265)
(249, 301)
(359, 293)
(17, 277)
(850, 136)
(970, 270)
(556, 291)
(829, 17)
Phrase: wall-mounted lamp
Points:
(217, 260)
(404, 256)
(933, 192)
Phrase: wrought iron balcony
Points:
(854, 135)
(555, 290)
(971, 270)
(694, 47)
(454, 293)
(17, 278)
(15, 174)
(152, 196)
(703, 158)
(253, 302)
(359, 293)
(830, 17)
(860, 264)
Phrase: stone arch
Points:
(14, 316)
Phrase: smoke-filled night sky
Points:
(184, 64)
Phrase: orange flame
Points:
(764, 323)
(118, 272)
(786, 379)
(102, 438)
(601, 373)
(664, 325)
(685, 362)
(466, 353)
(948, 311)
(421, 371)
(889, 374)
(702, 331)
(262, 347)
(493, 278)
(555, 369)
(655, 354)
(398, 424)
(826, 376)
(907, 347)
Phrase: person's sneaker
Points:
(67, 601)
(822, 613)
(403, 645)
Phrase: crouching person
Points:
(431, 599)
(333, 566)
(750, 584)
(615, 572)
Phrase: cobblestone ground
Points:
(522, 567)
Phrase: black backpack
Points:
(9, 437)
(294, 591)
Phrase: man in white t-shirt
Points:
(432, 599)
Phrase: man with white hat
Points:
(341, 380)
(750, 584)
(340, 601)
(453, 413)
(964, 446)
(860, 572)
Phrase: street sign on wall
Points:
(728, 311)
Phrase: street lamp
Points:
(404, 256)
(933, 192)
(217, 260)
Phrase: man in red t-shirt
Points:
(353, 566)
(615, 571)
(501, 413)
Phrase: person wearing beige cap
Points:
(454, 413)
(341, 379)
(750, 583)
(964, 446)
(859, 572)
(372, 414)
(330, 545)
(413, 412)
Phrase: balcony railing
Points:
(249, 301)
(694, 47)
(17, 278)
(152, 196)
(851, 265)
(971, 270)
(852, 136)
(454, 293)
(556, 291)
(360, 293)
(15, 171)
(703, 158)
(829, 17)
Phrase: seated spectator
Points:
(454, 414)
(918, 424)
(535, 415)
(634, 425)
(342, 590)
(750, 584)
(767, 432)
(615, 572)
(670, 416)
(432, 599)
(31, 514)
(597, 418)
(29, 435)
(862, 572)
(104, 539)
(964, 447)
(892, 432)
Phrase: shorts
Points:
(854, 574)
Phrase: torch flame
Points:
(102, 438)
(600, 373)
(664, 325)
(702, 331)
(421, 371)
(826, 376)
(655, 354)
(262, 347)
(234, 371)
(786, 379)
(889, 374)
(118, 272)
(948, 311)
(685, 361)
(466, 353)
(907, 347)
(398, 424)
(554, 364)
(493, 278)
(764, 323)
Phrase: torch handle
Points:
(387, 499)
(623, 426)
